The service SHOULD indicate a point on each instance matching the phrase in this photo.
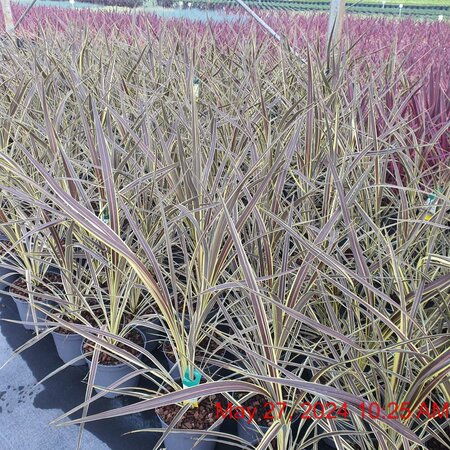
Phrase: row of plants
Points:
(421, 46)
(388, 3)
(124, 3)
(374, 6)
(411, 2)
(276, 222)
(423, 12)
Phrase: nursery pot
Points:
(249, 431)
(187, 320)
(209, 366)
(7, 276)
(173, 366)
(25, 309)
(108, 374)
(252, 432)
(187, 441)
(26, 314)
(331, 444)
(152, 336)
(294, 363)
(68, 347)
(174, 370)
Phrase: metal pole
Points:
(266, 26)
(24, 14)
(7, 14)
(260, 21)
(336, 21)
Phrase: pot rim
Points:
(165, 341)
(89, 361)
(66, 334)
(244, 420)
(165, 353)
(213, 427)
(16, 296)
(21, 300)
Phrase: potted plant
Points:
(8, 273)
(184, 425)
(119, 344)
(113, 367)
(33, 298)
(71, 305)
(260, 414)
(28, 250)
(183, 420)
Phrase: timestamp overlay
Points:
(334, 411)
(374, 410)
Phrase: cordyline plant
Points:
(297, 204)
(104, 212)
(27, 251)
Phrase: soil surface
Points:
(256, 403)
(209, 348)
(63, 330)
(5, 245)
(167, 349)
(205, 348)
(180, 306)
(200, 418)
(110, 360)
(20, 286)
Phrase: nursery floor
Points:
(27, 409)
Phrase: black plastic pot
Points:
(25, 310)
(331, 444)
(187, 441)
(293, 364)
(210, 368)
(7, 277)
(174, 371)
(249, 431)
(152, 336)
(173, 367)
(107, 374)
(187, 319)
(68, 347)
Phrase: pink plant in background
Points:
(420, 48)
(419, 44)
